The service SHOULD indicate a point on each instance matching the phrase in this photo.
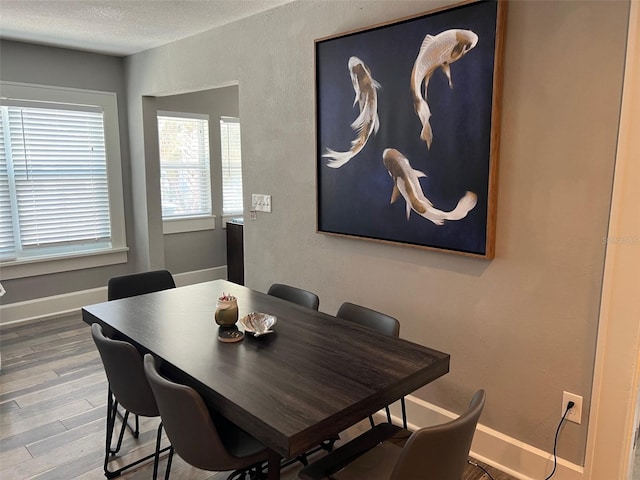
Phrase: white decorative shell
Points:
(258, 323)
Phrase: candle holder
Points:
(226, 311)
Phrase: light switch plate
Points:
(261, 202)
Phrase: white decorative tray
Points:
(258, 324)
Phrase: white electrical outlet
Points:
(260, 202)
(575, 414)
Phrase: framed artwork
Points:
(407, 119)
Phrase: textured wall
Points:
(523, 325)
(26, 63)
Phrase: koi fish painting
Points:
(386, 92)
(406, 183)
(438, 51)
(367, 122)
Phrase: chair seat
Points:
(377, 463)
(387, 452)
(237, 442)
(385, 435)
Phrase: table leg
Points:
(273, 470)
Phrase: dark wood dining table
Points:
(315, 376)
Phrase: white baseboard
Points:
(69, 303)
(505, 453)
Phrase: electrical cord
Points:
(484, 470)
(570, 405)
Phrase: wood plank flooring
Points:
(53, 394)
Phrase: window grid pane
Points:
(58, 165)
(231, 166)
(184, 166)
(7, 246)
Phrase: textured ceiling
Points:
(119, 27)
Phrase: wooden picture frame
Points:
(400, 163)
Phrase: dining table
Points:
(313, 377)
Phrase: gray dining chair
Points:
(127, 386)
(130, 285)
(202, 438)
(295, 295)
(389, 452)
(134, 284)
(381, 323)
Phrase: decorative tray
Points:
(257, 324)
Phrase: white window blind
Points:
(231, 166)
(53, 179)
(185, 176)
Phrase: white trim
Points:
(199, 276)
(188, 115)
(196, 224)
(45, 265)
(511, 456)
(617, 365)
(58, 305)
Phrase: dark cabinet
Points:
(235, 252)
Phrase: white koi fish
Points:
(406, 183)
(367, 122)
(437, 52)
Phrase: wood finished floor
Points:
(52, 409)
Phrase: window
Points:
(60, 179)
(231, 166)
(185, 176)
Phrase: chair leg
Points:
(136, 433)
(169, 460)
(122, 429)
(112, 414)
(156, 458)
(109, 427)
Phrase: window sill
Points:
(181, 225)
(45, 265)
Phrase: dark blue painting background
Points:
(355, 198)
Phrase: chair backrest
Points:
(295, 295)
(188, 423)
(125, 373)
(372, 319)
(139, 284)
(440, 451)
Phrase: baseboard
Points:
(44, 308)
(513, 457)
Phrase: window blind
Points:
(184, 165)
(7, 247)
(53, 179)
(231, 166)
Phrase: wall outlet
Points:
(260, 202)
(575, 414)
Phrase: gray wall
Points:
(20, 62)
(522, 326)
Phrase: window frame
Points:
(192, 223)
(76, 260)
(232, 215)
